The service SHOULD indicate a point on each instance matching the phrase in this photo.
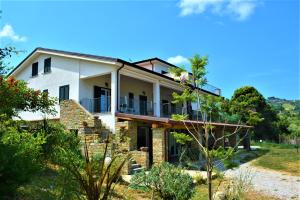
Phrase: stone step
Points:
(134, 166)
(136, 170)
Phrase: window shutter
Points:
(47, 65)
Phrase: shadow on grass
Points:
(247, 156)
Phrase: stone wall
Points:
(89, 128)
(159, 147)
(74, 116)
(141, 157)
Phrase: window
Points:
(45, 91)
(165, 107)
(131, 100)
(35, 69)
(47, 65)
(163, 72)
(63, 92)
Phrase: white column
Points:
(113, 95)
(156, 98)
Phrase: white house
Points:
(103, 85)
(137, 95)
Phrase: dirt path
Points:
(270, 182)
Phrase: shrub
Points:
(199, 179)
(167, 181)
(237, 188)
(56, 136)
(93, 176)
(20, 155)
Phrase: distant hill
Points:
(277, 103)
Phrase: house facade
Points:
(101, 95)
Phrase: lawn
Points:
(282, 158)
(43, 187)
(279, 157)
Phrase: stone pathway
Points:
(270, 182)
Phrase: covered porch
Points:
(152, 142)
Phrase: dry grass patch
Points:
(281, 158)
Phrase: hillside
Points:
(277, 103)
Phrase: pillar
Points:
(113, 96)
(156, 98)
(159, 148)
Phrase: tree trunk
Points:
(209, 184)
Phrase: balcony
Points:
(97, 105)
(136, 106)
(212, 89)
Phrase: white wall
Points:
(86, 86)
(89, 69)
(64, 71)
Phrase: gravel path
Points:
(270, 182)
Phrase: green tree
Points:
(20, 150)
(210, 108)
(248, 102)
(289, 118)
(5, 53)
(16, 96)
(20, 155)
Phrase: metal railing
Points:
(169, 109)
(212, 89)
(136, 106)
(97, 105)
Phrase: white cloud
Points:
(178, 60)
(8, 32)
(240, 9)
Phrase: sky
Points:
(248, 42)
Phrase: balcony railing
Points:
(97, 105)
(169, 109)
(136, 106)
(212, 89)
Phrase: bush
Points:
(200, 179)
(237, 188)
(20, 155)
(56, 136)
(167, 181)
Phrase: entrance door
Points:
(101, 99)
(143, 105)
(144, 139)
(173, 148)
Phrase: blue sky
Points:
(249, 42)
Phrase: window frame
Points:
(33, 69)
(47, 65)
(63, 96)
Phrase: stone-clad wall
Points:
(141, 157)
(159, 154)
(74, 116)
(130, 128)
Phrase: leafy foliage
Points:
(254, 110)
(4, 53)
(20, 155)
(167, 181)
(210, 109)
(16, 96)
(94, 175)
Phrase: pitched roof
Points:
(153, 59)
(105, 58)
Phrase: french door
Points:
(101, 99)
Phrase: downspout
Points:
(118, 70)
(152, 65)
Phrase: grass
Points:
(283, 158)
(279, 157)
(42, 187)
